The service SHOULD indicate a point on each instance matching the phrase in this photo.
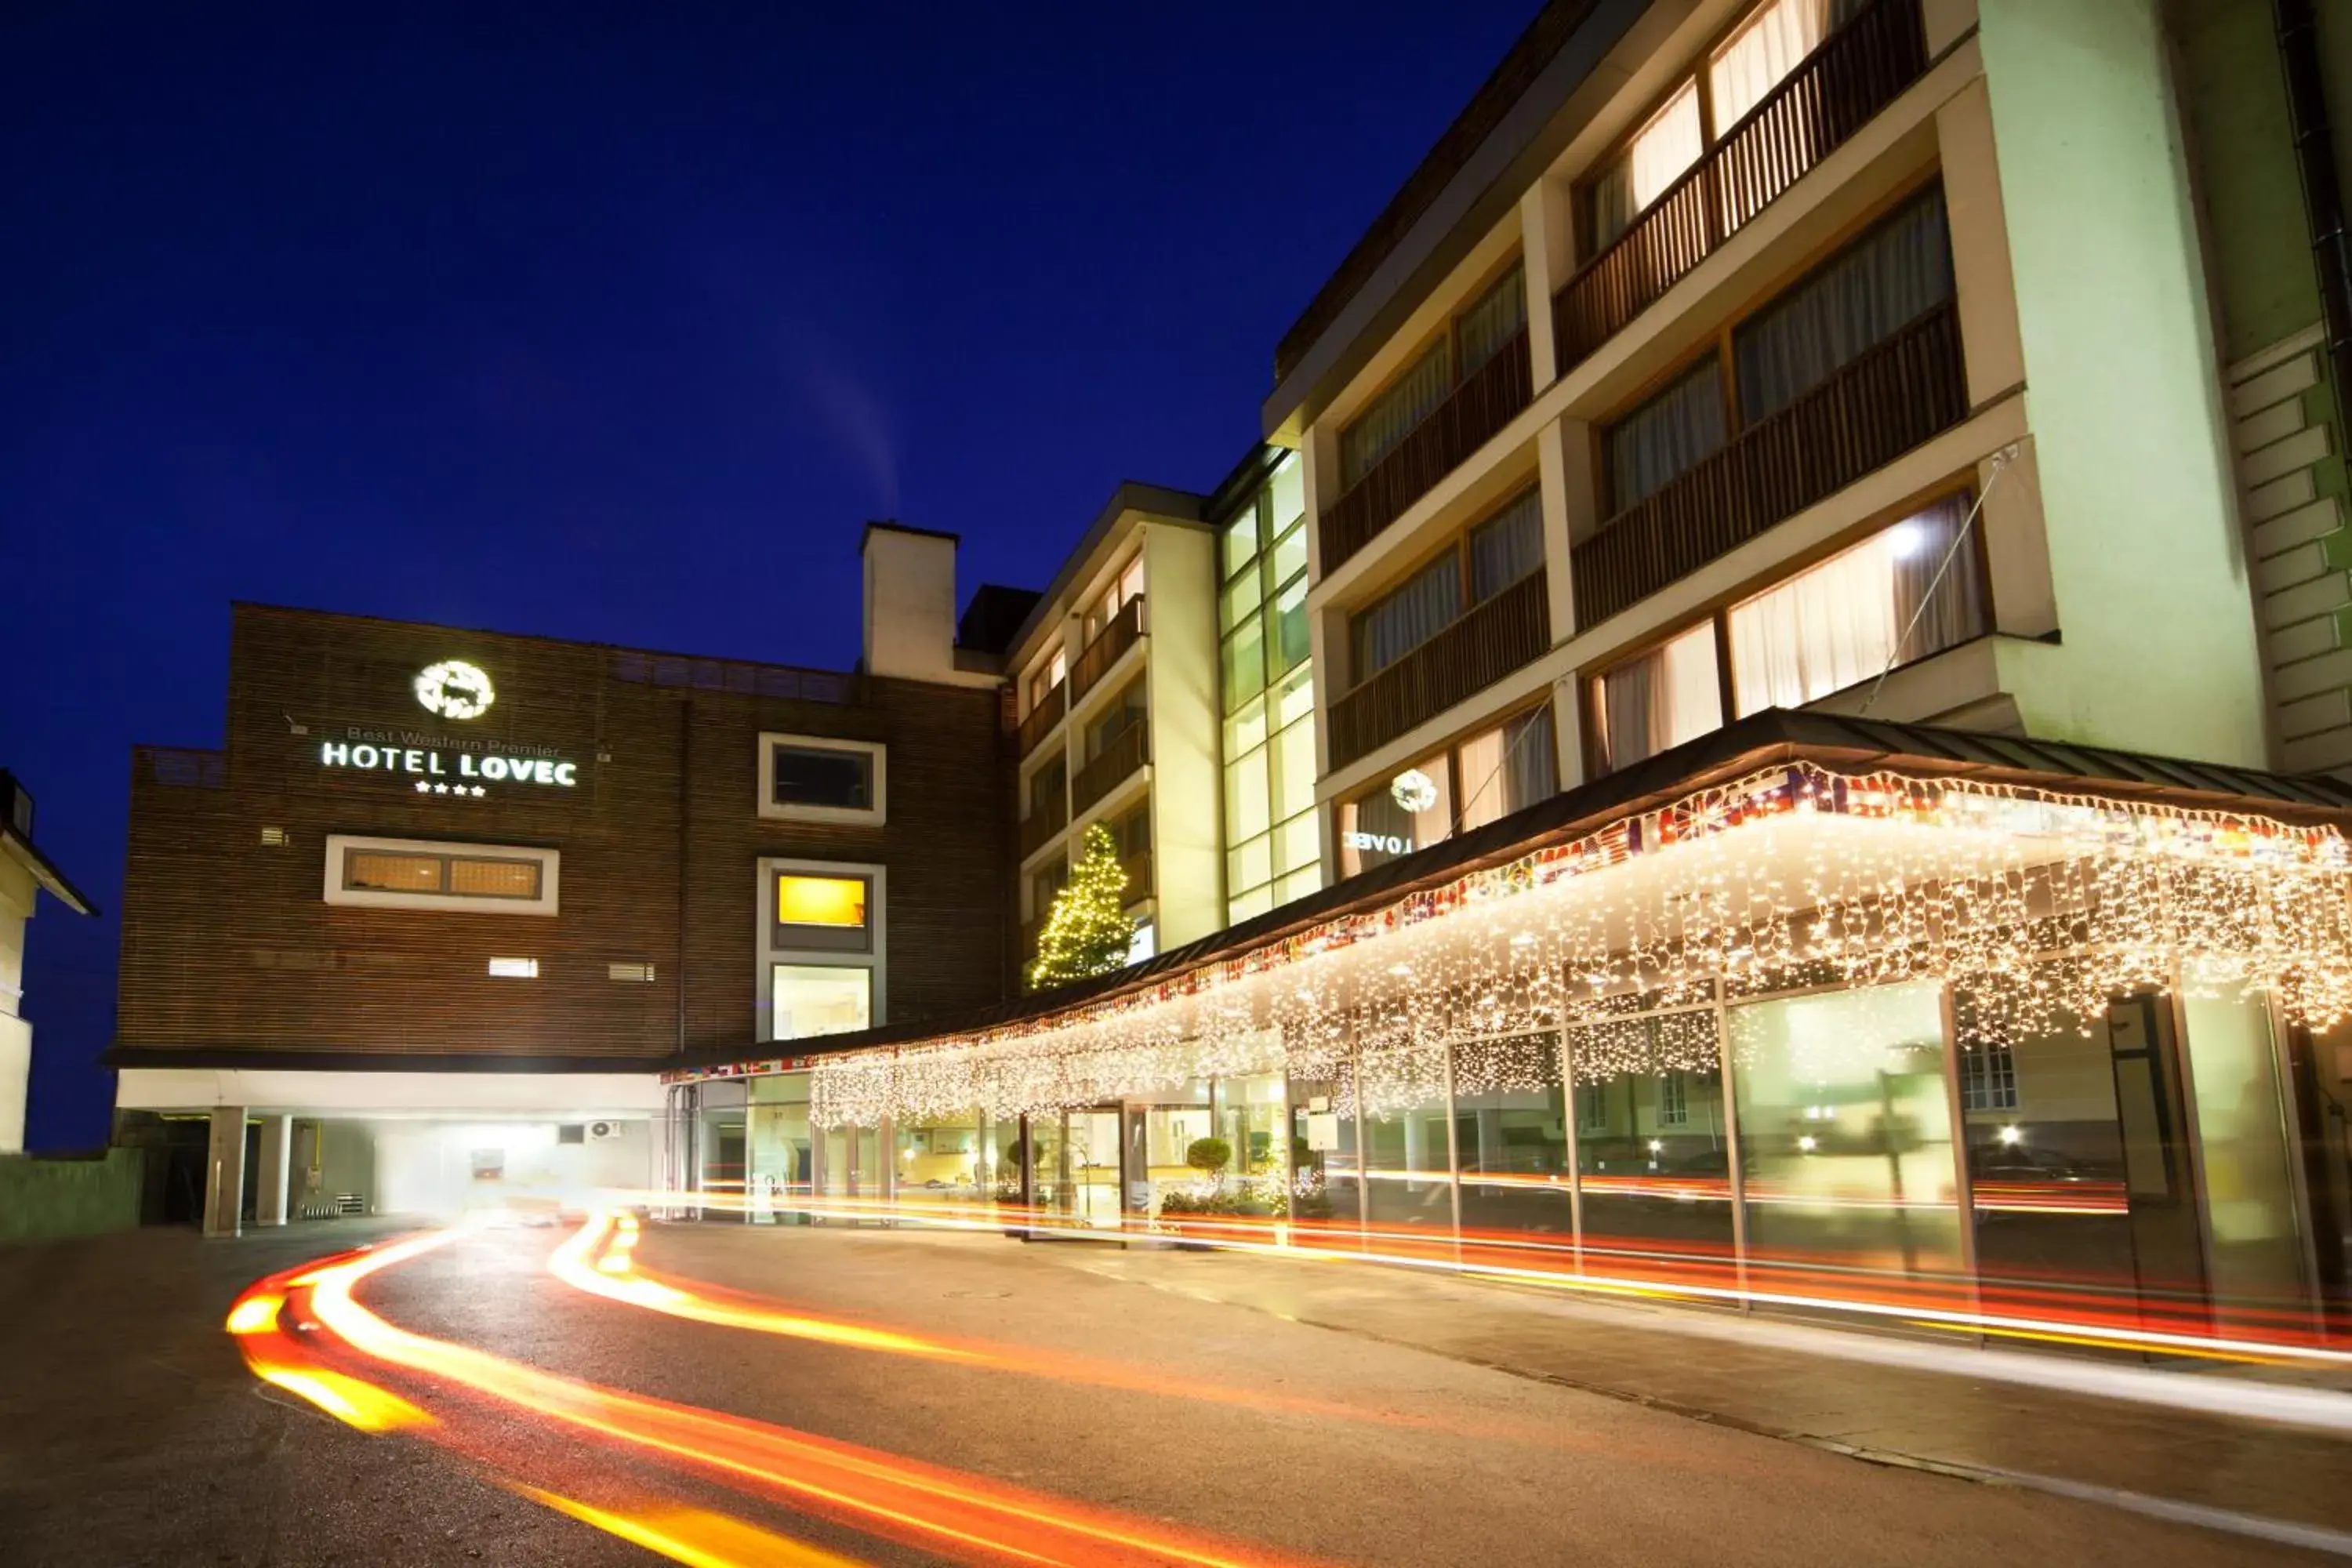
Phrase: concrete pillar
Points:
(224, 1171)
(276, 1158)
(1549, 258)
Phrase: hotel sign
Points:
(450, 765)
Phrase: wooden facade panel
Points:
(229, 944)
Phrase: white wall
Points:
(18, 892)
(428, 1167)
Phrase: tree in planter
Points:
(1087, 930)
(1208, 1157)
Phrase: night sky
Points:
(616, 330)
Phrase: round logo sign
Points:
(1413, 790)
(454, 689)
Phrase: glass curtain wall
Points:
(1510, 1132)
(1653, 1146)
(1272, 850)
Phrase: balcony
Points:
(1470, 416)
(1125, 631)
(1119, 762)
(1485, 645)
(1890, 400)
(1858, 70)
(1046, 818)
(1042, 719)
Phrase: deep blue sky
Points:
(614, 324)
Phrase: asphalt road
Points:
(132, 1432)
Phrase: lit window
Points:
(514, 968)
(1674, 1100)
(821, 900)
(1658, 155)
(811, 999)
(1651, 704)
(399, 873)
(817, 779)
(1769, 46)
(1906, 593)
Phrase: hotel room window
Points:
(1478, 332)
(816, 778)
(822, 947)
(401, 873)
(1904, 592)
(1659, 699)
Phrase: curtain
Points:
(1666, 437)
(1955, 612)
(1658, 155)
(1391, 416)
(1530, 760)
(1659, 700)
(1881, 283)
(1836, 625)
(1506, 547)
(1481, 757)
(1774, 41)
(1386, 631)
(1491, 321)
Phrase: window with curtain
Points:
(1666, 437)
(1857, 614)
(1476, 334)
(1508, 768)
(1392, 627)
(1769, 45)
(1491, 321)
(1125, 713)
(1886, 279)
(1506, 547)
(1659, 155)
(1659, 700)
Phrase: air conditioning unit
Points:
(601, 1130)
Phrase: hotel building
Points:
(1794, 649)
(1752, 729)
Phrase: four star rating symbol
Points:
(423, 787)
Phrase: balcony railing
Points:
(1046, 818)
(1125, 628)
(1042, 719)
(1874, 410)
(1121, 758)
(1858, 70)
(1493, 639)
(1468, 418)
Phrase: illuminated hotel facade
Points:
(1754, 728)
(1726, 359)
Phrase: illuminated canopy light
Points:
(454, 690)
(838, 902)
(2043, 905)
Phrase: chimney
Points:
(911, 597)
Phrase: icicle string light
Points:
(2043, 906)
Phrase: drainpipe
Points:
(684, 776)
(2296, 24)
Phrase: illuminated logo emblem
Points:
(454, 690)
(1413, 790)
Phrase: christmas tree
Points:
(1087, 932)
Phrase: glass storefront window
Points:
(811, 999)
(1845, 1130)
(1510, 1128)
(939, 1159)
(1407, 1160)
(781, 1155)
(1652, 1146)
(2250, 1207)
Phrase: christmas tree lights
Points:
(1089, 931)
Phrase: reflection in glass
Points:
(1324, 1179)
(1846, 1129)
(1405, 1156)
(2242, 1128)
(1509, 1127)
(780, 1151)
(939, 1159)
(1653, 1154)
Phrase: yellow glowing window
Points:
(835, 901)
